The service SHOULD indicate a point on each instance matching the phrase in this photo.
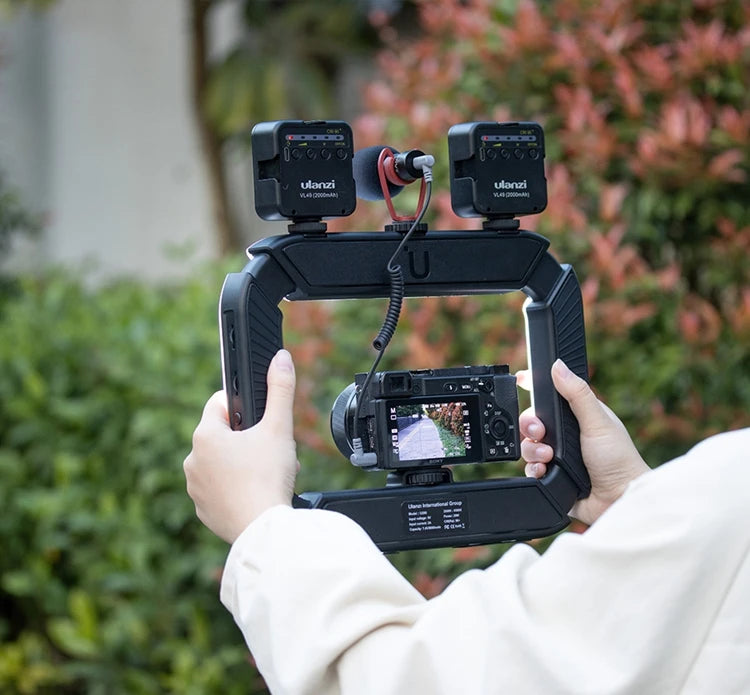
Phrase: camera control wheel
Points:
(499, 427)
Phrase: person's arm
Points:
(624, 608)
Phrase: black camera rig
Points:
(429, 510)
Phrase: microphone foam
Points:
(365, 169)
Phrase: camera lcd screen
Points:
(432, 429)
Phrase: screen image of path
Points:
(430, 430)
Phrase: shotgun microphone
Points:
(400, 169)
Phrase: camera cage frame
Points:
(351, 265)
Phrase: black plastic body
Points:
(497, 169)
(303, 170)
(440, 263)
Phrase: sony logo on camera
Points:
(311, 185)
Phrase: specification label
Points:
(435, 516)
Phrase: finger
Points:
(214, 422)
(523, 379)
(280, 400)
(530, 425)
(215, 412)
(534, 452)
(535, 470)
(585, 405)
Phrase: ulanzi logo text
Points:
(511, 185)
(311, 185)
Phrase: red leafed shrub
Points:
(647, 121)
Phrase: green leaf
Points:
(65, 634)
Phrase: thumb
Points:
(587, 408)
(280, 400)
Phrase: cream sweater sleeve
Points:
(624, 608)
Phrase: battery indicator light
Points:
(509, 138)
(313, 137)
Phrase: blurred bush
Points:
(108, 583)
(15, 219)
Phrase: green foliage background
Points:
(109, 584)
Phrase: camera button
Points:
(450, 387)
(534, 154)
(491, 153)
(237, 419)
(518, 154)
(311, 153)
(325, 154)
(296, 153)
(498, 427)
(342, 153)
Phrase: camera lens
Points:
(342, 419)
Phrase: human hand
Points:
(607, 449)
(233, 477)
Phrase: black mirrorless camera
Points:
(415, 424)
